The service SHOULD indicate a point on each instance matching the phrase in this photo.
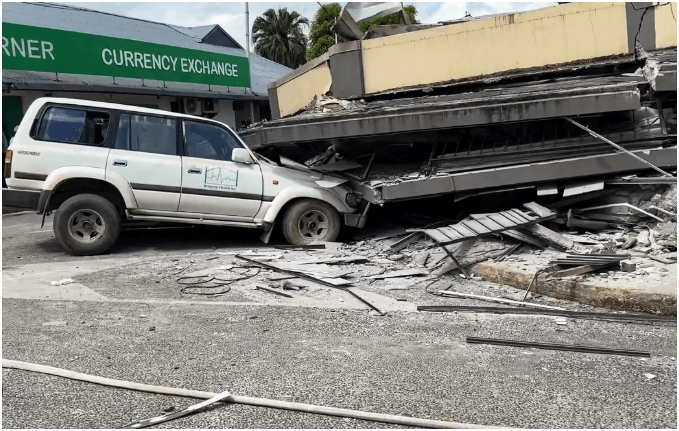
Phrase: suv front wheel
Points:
(309, 220)
(87, 224)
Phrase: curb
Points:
(578, 290)
(18, 213)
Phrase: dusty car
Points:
(99, 165)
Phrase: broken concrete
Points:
(650, 291)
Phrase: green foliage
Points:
(392, 19)
(320, 47)
(321, 38)
(277, 35)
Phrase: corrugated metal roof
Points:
(63, 17)
(196, 32)
(201, 32)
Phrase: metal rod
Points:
(663, 211)
(622, 205)
(310, 278)
(498, 300)
(367, 169)
(663, 125)
(553, 346)
(450, 254)
(266, 289)
(529, 286)
(618, 317)
(616, 146)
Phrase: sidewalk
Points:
(651, 289)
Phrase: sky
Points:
(231, 15)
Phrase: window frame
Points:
(35, 128)
(185, 151)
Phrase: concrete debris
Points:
(267, 289)
(420, 259)
(628, 266)
(63, 282)
(58, 323)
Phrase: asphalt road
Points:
(404, 363)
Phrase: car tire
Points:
(87, 224)
(307, 221)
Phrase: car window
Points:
(151, 134)
(207, 141)
(74, 126)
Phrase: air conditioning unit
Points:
(192, 106)
(210, 106)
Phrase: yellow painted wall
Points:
(560, 34)
(666, 25)
(300, 91)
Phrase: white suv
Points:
(101, 164)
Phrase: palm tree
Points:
(277, 36)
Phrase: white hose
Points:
(262, 402)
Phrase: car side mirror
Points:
(241, 155)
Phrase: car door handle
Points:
(119, 162)
(195, 170)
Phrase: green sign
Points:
(48, 50)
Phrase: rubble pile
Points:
(664, 200)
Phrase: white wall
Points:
(226, 114)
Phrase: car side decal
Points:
(221, 178)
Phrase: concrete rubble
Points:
(388, 268)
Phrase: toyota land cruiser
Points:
(99, 165)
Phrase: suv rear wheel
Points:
(87, 224)
(309, 220)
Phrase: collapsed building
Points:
(549, 99)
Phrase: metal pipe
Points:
(247, 51)
(262, 402)
(663, 211)
(247, 31)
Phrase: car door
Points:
(211, 182)
(146, 155)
